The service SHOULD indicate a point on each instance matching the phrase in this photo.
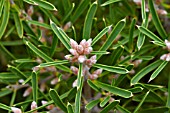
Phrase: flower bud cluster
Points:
(80, 51)
(166, 57)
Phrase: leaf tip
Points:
(137, 26)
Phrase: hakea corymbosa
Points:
(79, 54)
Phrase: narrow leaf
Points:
(117, 29)
(79, 76)
(158, 70)
(110, 2)
(55, 63)
(43, 4)
(150, 34)
(136, 89)
(168, 98)
(162, 109)
(80, 9)
(145, 71)
(1, 6)
(39, 24)
(57, 100)
(142, 101)
(112, 68)
(18, 23)
(35, 86)
(60, 35)
(99, 52)
(70, 108)
(122, 109)
(100, 35)
(88, 21)
(104, 102)
(91, 104)
(156, 20)
(5, 18)
(115, 90)
(110, 106)
(54, 45)
(92, 85)
(5, 107)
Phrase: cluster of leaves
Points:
(35, 36)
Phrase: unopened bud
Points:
(83, 42)
(81, 58)
(42, 87)
(33, 105)
(73, 44)
(67, 26)
(80, 49)
(74, 70)
(27, 92)
(165, 57)
(49, 107)
(75, 83)
(98, 71)
(93, 59)
(68, 57)
(137, 2)
(137, 62)
(167, 44)
(54, 81)
(16, 110)
(30, 11)
(93, 76)
(40, 19)
(73, 52)
(35, 68)
(161, 12)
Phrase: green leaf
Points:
(68, 13)
(53, 46)
(4, 92)
(117, 29)
(42, 3)
(122, 109)
(1, 6)
(80, 9)
(131, 31)
(110, 2)
(158, 70)
(17, 72)
(142, 101)
(78, 97)
(159, 43)
(5, 107)
(150, 34)
(39, 24)
(104, 102)
(38, 52)
(18, 23)
(156, 20)
(111, 68)
(55, 63)
(88, 21)
(161, 109)
(57, 100)
(145, 57)
(79, 76)
(168, 98)
(99, 52)
(100, 35)
(24, 60)
(115, 55)
(115, 90)
(92, 85)
(70, 108)
(136, 89)
(60, 35)
(35, 86)
(110, 106)
(5, 18)
(91, 104)
(8, 75)
(28, 29)
(145, 71)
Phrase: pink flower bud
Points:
(98, 71)
(74, 52)
(163, 57)
(93, 76)
(136, 63)
(49, 107)
(27, 92)
(168, 57)
(81, 58)
(80, 49)
(83, 42)
(88, 50)
(68, 57)
(167, 44)
(74, 70)
(40, 19)
(42, 87)
(93, 59)
(161, 12)
(33, 105)
(88, 43)
(73, 44)
(36, 68)
(16, 110)
(75, 83)
(54, 81)
(30, 11)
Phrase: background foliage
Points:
(37, 33)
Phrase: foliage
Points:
(84, 56)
